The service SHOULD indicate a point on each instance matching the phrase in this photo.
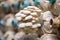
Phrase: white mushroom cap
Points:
(36, 25)
(35, 18)
(21, 25)
(19, 18)
(28, 17)
(29, 7)
(34, 14)
(26, 12)
(25, 8)
(20, 15)
(33, 21)
(38, 10)
(29, 24)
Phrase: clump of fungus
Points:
(28, 18)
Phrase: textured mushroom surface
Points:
(28, 18)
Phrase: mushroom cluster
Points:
(28, 17)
